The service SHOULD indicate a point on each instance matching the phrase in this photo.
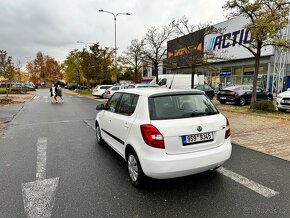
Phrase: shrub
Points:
(264, 105)
(5, 101)
(2, 90)
(85, 92)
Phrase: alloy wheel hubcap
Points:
(242, 101)
(133, 168)
(98, 134)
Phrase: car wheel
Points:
(216, 168)
(135, 171)
(222, 102)
(242, 101)
(100, 141)
(102, 96)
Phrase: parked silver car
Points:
(283, 101)
(110, 91)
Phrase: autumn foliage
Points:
(44, 68)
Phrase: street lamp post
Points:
(115, 22)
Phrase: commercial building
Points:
(229, 62)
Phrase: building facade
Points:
(227, 62)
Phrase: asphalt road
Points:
(54, 146)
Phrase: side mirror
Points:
(100, 107)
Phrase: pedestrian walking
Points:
(53, 93)
(59, 92)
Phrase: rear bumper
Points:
(227, 98)
(165, 166)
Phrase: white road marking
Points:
(36, 97)
(41, 158)
(260, 189)
(39, 195)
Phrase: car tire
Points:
(281, 110)
(100, 141)
(102, 96)
(135, 171)
(242, 101)
(216, 168)
(223, 102)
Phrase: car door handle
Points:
(126, 125)
(110, 120)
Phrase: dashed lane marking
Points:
(254, 186)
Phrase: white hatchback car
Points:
(99, 90)
(164, 133)
(283, 101)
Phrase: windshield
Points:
(180, 106)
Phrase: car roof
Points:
(147, 92)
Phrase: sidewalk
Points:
(265, 134)
(8, 112)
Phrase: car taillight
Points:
(152, 136)
(228, 130)
(108, 92)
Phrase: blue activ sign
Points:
(225, 73)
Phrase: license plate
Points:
(197, 138)
(223, 98)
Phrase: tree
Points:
(72, 67)
(133, 58)
(187, 50)
(7, 69)
(266, 19)
(44, 68)
(97, 63)
(156, 48)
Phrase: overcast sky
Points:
(54, 26)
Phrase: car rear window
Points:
(105, 87)
(180, 106)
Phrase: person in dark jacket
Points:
(59, 92)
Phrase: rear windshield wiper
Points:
(196, 114)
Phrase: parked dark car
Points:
(207, 89)
(241, 95)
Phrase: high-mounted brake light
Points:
(228, 130)
(152, 136)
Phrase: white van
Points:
(178, 81)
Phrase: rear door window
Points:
(113, 103)
(180, 106)
(128, 104)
